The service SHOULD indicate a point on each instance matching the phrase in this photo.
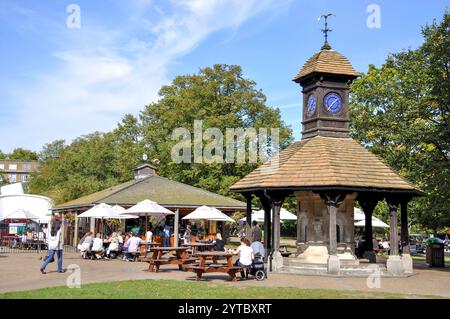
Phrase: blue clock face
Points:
(311, 104)
(332, 102)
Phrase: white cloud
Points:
(107, 73)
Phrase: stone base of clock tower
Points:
(313, 231)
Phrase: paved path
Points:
(21, 272)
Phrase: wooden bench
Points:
(158, 260)
(199, 270)
(154, 264)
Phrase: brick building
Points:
(14, 171)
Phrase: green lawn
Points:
(163, 289)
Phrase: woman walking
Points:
(54, 244)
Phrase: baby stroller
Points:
(257, 268)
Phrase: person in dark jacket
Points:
(256, 232)
(219, 243)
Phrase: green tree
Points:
(401, 112)
(81, 168)
(2, 155)
(52, 150)
(222, 98)
(20, 154)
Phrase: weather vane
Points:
(326, 45)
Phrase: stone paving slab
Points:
(21, 272)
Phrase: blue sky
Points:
(60, 83)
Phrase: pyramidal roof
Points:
(325, 162)
(326, 61)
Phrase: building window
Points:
(12, 167)
(24, 178)
(2, 166)
(26, 167)
(12, 178)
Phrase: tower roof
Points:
(328, 62)
(324, 162)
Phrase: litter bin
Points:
(435, 255)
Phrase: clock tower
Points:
(325, 80)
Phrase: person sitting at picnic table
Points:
(200, 236)
(187, 234)
(148, 236)
(97, 246)
(126, 243)
(219, 243)
(245, 253)
(113, 245)
(84, 245)
(133, 245)
(120, 239)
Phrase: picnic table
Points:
(199, 246)
(202, 268)
(144, 248)
(181, 257)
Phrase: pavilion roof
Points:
(326, 61)
(166, 192)
(325, 163)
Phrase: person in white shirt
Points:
(149, 236)
(113, 245)
(245, 253)
(97, 246)
(54, 245)
(133, 245)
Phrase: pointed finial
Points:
(326, 45)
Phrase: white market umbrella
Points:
(375, 223)
(145, 208)
(358, 214)
(208, 213)
(101, 210)
(259, 215)
(20, 214)
(119, 213)
(359, 217)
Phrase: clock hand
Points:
(332, 104)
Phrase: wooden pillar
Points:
(176, 222)
(368, 203)
(248, 216)
(404, 226)
(63, 229)
(75, 235)
(267, 224)
(299, 225)
(92, 225)
(393, 233)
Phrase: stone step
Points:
(321, 271)
(304, 270)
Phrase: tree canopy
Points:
(220, 96)
(20, 154)
(401, 112)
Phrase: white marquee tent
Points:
(34, 204)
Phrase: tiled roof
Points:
(325, 161)
(162, 190)
(327, 61)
